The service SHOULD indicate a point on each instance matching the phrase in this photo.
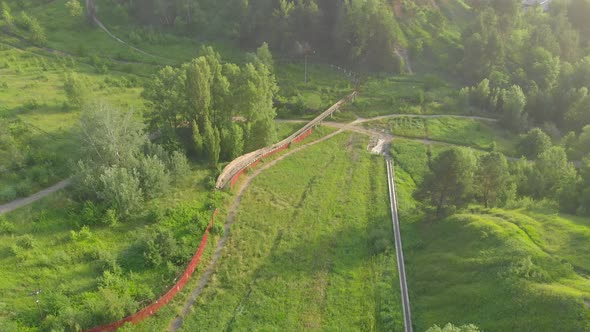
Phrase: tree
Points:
(153, 176)
(584, 207)
(198, 104)
(263, 54)
(263, 133)
(37, 32)
(534, 143)
(481, 94)
(76, 90)
(232, 142)
(179, 167)
(513, 102)
(160, 247)
(110, 137)
(491, 177)
(212, 143)
(198, 91)
(74, 8)
(450, 179)
(578, 13)
(167, 104)
(543, 68)
(555, 174)
(121, 189)
(198, 141)
(6, 15)
(452, 328)
(115, 170)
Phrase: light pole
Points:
(306, 50)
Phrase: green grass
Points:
(403, 95)
(325, 86)
(52, 144)
(503, 270)
(60, 264)
(478, 134)
(311, 248)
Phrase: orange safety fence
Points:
(236, 177)
(162, 301)
(303, 136)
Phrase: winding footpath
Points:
(11, 206)
(401, 267)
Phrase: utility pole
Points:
(305, 68)
(307, 51)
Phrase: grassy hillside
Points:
(311, 248)
(478, 134)
(503, 270)
(56, 245)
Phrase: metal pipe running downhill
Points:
(398, 246)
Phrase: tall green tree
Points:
(513, 103)
(450, 180)
(534, 143)
(491, 177)
(554, 174)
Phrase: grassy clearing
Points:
(478, 134)
(502, 270)
(326, 85)
(48, 142)
(403, 95)
(45, 246)
(310, 249)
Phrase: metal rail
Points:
(398, 247)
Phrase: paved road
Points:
(398, 246)
(8, 207)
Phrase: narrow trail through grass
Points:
(11, 206)
(178, 321)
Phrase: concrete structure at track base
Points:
(238, 166)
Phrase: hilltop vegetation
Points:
(522, 269)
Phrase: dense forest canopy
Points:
(369, 34)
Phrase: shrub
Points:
(121, 190)
(91, 213)
(82, 235)
(7, 193)
(6, 227)
(37, 32)
(153, 176)
(24, 21)
(160, 247)
(110, 218)
(23, 188)
(179, 166)
(217, 229)
(26, 242)
(6, 15)
(76, 90)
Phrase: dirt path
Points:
(104, 28)
(428, 116)
(178, 321)
(11, 206)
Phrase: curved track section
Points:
(238, 165)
